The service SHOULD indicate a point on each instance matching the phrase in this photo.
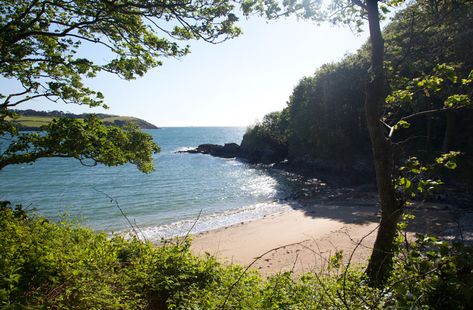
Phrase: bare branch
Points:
(27, 99)
(7, 100)
(425, 113)
(193, 225)
(113, 200)
(251, 264)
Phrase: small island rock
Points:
(228, 150)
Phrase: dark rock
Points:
(211, 149)
(229, 150)
(193, 151)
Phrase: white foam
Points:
(213, 221)
(184, 149)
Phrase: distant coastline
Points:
(34, 120)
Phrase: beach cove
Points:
(303, 240)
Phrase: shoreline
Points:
(302, 240)
(295, 240)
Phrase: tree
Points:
(325, 122)
(392, 204)
(41, 43)
(355, 12)
(391, 209)
(327, 114)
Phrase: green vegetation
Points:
(408, 91)
(267, 142)
(41, 53)
(325, 116)
(88, 140)
(31, 122)
(344, 111)
(60, 265)
(123, 120)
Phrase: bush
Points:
(434, 274)
(61, 265)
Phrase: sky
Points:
(230, 84)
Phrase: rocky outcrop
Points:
(264, 153)
(228, 150)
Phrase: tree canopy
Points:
(41, 41)
(325, 117)
(343, 111)
(42, 46)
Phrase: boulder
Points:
(228, 150)
(211, 149)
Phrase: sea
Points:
(187, 193)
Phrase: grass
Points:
(35, 122)
(111, 119)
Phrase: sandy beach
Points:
(303, 239)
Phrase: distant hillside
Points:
(33, 120)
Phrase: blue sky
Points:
(231, 84)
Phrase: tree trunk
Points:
(449, 131)
(381, 258)
(428, 143)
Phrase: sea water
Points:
(185, 191)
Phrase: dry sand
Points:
(303, 239)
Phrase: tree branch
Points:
(425, 113)
(251, 264)
(22, 15)
(26, 99)
(360, 4)
(9, 97)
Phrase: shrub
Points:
(61, 265)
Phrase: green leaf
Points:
(457, 101)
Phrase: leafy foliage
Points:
(41, 40)
(433, 274)
(88, 140)
(267, 141)
(327, 114)
(43, 48)
(445, 89)
(64, 266)
(428, 69)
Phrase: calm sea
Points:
(184, 187)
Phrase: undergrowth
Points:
(61, 265)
